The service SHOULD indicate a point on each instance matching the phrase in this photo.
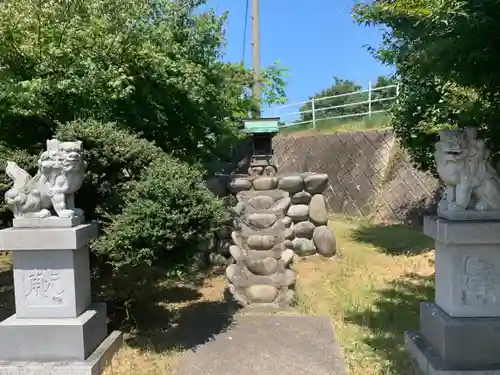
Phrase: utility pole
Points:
(256, 57)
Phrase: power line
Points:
(245, 28)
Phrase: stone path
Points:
(268, 345)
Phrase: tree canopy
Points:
(153, 67)
(142, 84)
(446, 57)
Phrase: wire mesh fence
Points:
(369, 174)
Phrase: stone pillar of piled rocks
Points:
(275, 218)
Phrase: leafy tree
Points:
(344, 104)
(150, 66)
(446, 55)
(385, 95)
(340, 86)
(153, 209)
(141, 83)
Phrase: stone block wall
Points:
(274, 218)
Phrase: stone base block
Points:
(467, 267)
(461, 342)
(48, 222)
(51, 283)
(59, 339)
(469, 215)
(93, 365)
(48, 238)
(429, 361)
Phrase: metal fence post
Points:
(313, 109)
(370, 99)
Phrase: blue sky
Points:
(315, 39)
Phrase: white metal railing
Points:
(275, 112)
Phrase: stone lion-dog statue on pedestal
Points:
(61, 170)
(472, 184)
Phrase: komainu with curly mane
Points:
(61, 170)
(462, 163)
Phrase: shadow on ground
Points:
(395, 311)
(186, 328)
(394, 238)
(164, 316)
(167, 316)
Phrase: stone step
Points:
(268, 345)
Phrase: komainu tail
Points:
(20, 177)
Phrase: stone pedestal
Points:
(460, 332)
(56, 328)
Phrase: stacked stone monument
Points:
(275, 218)
(460, 331)
(56, 328)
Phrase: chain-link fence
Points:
(370, 175)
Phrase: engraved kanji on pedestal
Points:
(56, 328)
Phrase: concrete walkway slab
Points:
(268, 345)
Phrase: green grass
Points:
(372, 293)
(371, 290)
(377, 121)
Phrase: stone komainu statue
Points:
(61, 170)
(462, 164)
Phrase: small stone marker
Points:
(268, 345)
(460, 331)
(56, 329)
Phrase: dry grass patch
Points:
(372, 292)
(176, 323)
(172, 318)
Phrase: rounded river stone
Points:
(324, 241)
(239, 184)
(236, 238)
(264, 266)
(303, 246)
(281, 205)
(217, 259)
(224, 232)
(302, 197)
(298, 212)
(304, 229)
(262, 221)
(261, 293)
(261, 202)
(230, 201)
(286, 221)
(287, 234)
(292, 184)
(316, 183)
(265, 183)
(289, 277)
(261, 242)
(236, 252)
(223, 246)
(318, 213)
(287, 256)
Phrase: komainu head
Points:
(452, 145)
